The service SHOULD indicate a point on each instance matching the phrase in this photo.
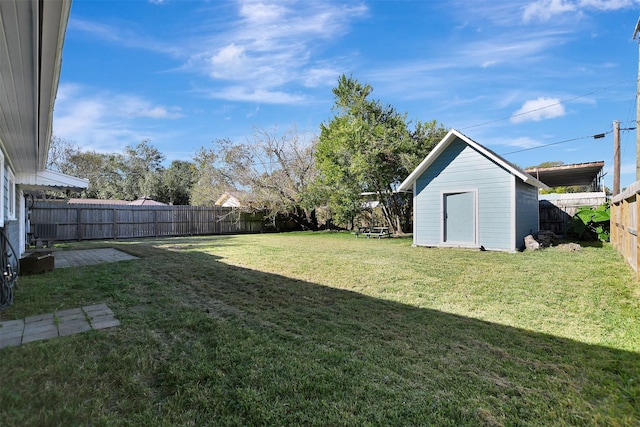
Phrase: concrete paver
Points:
(79, 258)
(70, 321)
(58, 324)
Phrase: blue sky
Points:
(512, 75)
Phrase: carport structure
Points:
(569, 175)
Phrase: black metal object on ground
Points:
(9, 266)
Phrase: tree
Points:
(369, 147)
(136, 173)
(178, 180)
(209, 181)
(548, 164)
(142, 171)
(102, 170)
(278, 171)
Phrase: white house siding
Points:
(5, 194)
(527, 212)
(461, 168)
(12, 226)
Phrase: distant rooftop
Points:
(97, 201)
(569, 175)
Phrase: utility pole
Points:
(635, 35)
(616, 157)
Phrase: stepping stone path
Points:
(58, 324)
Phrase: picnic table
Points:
(378, 232)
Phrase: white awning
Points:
(48, 179)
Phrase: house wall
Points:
(527, 212)
(462, 168)
(12, 221)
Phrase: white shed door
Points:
(459, 218)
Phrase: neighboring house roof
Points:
(407, 184)
(138, 202)
(97, 201)
(234, 199)
(146, 202)
(569, 175)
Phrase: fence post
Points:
(115, 223)
(637, 242)
(613, 226)
(79, 224)
(155, 222)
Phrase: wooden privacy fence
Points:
(65, 222)
(625, 211)
(556, 210)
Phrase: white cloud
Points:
(241, 93)
(267, 45)
(123, 36)
(103, 120)
(315, 77)
(509, 48)
(544, 10)
(160, 112)
(272, 44)
(524, 142)
(229, 62)
(538, 109)
(261, 13)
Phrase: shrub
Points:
(591, 223)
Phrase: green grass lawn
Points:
(326, 329)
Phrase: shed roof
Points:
(453, 134)
(567, 175)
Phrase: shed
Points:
(465, 195)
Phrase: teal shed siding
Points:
(506, 208)
(527, 212)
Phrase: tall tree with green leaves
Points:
(178, 179)
(103, 170)
(369, 147)
(135, 173)
(142, 171)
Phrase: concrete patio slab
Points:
(58, 324)
(79, 258)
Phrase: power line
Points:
(596, 136)
(546, 106)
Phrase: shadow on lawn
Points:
(245, 347)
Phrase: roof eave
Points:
(53, 25)
(48, 179)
